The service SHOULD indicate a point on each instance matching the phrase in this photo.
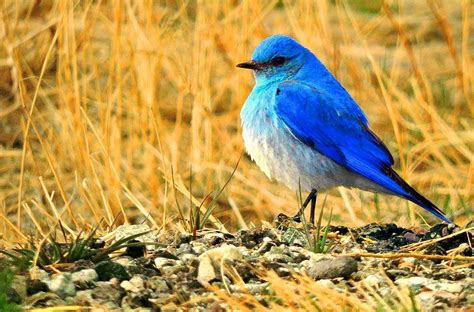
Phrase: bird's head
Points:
(277, 58)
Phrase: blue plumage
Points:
(301, 125)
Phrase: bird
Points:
(304, 129)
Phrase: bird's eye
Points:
(278, 61)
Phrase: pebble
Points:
(35, 286)
(105, 295)
(20, 285)
(62, 285)
(124, 261)
(86, 277)
(38, 274)
(127, 230)
(374, 280)
(417, 283)
(412, 281)
(162, 262)
(109, 269)
(190, 259)
(330, 267)
(198, 247)
(326, 283)
(293, 236)
(158, 284)
(172, 276)
(257, 288)
(277, 255)
(206, 269)
(135, 284)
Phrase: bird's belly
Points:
(282, 157)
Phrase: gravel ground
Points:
(181, 272)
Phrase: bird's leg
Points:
(312, 195)
(313, 208)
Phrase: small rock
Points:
(293, 236)
(136, 302)
(125, 231)
(416, 283)
(20, 285)
(276, 255)
(374, 280)
(63, 285)
(330, 267)
(253, 237)
(135, 251)
(103, 294)
(44, 299)
(143, 266)
(411, 237)
(82, 264)
(446, 286)
(135, 284)
(123, 260)
(283, 272)
(173, 269)
(108, 269)
(257, 288)
(158, 284)
(397, 273)
(84, 278)
(198, 247)
(13, 296)
(326, 283)
(162, 262)
(210, 262)
(163, 253)
(214, 238)
(97, 243)
(169, 267)
(190, 259)
(163, 300)
(38, 274)
(35, 286)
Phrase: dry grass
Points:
(301, 293)
(100, 99)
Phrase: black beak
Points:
(250, 65)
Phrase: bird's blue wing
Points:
(335, 126)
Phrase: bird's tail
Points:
(412, 195)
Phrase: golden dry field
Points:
(123, 111)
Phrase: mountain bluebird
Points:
(304, 129)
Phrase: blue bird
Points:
(305, 130)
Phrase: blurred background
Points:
(125, 111)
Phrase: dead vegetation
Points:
(115, 111)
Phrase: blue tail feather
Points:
(412, 195)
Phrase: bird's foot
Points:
(297, 217)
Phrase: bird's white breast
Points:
(279, 154)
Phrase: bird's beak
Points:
(250, 65)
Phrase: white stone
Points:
(374, 281)
(161, 262)
(326, 283)
(211, 260)
(38, 274)
(84, 276)
(135, 284)
(413, 281)
(62, 284)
